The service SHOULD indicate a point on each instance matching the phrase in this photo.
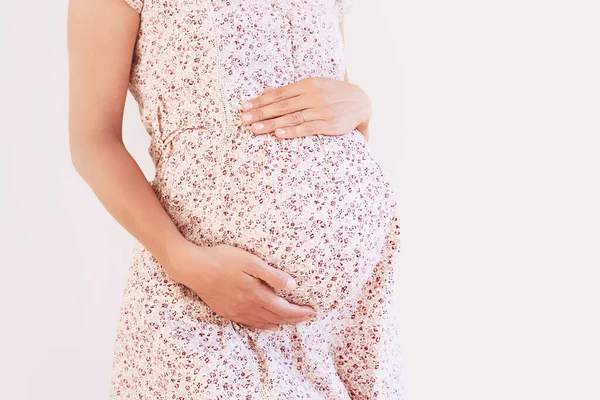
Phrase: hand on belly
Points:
(233, 283)
(327, 236)
(322, 218)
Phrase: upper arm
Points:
(101, 36)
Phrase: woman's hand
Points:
(315, 105)
(231, 281)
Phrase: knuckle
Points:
(279, 92)
(252, 258)
(324, 96)
(295, 117)
(261, 298)
(310, 126)
(258, 263)
(312, 82)
(330, 113)
(291, 118)
(280, 279)
(322, 84)
(255, 268)
(270, 124)
(262, 295)
(268, 304)
(258, 114)
(283, 104)
(252, 263)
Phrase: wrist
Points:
(185, 260)
(172, 248)
(365, 118)
(363, 128)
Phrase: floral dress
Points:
(318, 207)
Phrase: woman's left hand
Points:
(311, 106)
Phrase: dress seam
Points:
(219, 81)
(220, 73)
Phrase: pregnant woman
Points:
(263, 266)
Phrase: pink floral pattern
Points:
(319, 207)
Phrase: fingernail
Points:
(247, 117)
(247, 105)
(279, 131)
(258, 125)
(291, 284)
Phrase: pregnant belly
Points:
(317, 208)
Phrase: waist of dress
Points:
(209, 159)
(241, 144)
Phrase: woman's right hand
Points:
(231, 281)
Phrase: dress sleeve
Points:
(341, 8)
(137, 5)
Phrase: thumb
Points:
(275, 277)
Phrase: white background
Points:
(486, 119)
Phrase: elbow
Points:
(87, 148)
(78, 154)
(81, 150)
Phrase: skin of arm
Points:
(101, 37)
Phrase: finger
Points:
(275, 277)
(277, 109)
(276, 94)
(282, 307)
(290, 119)
(278, 308)
(253, 322)
(307, 128)
(273, 318)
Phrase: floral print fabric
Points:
(341, 8)
(319, 207)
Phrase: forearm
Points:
(120, 185)
(363, 127)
